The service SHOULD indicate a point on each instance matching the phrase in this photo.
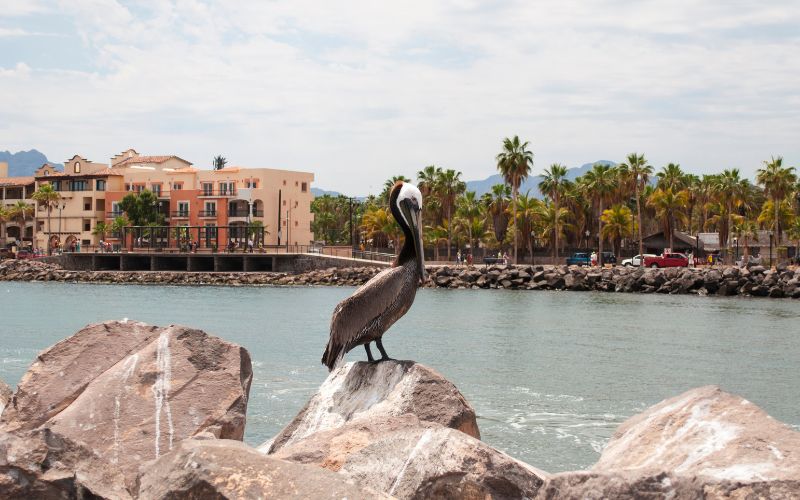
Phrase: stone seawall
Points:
(728, 281)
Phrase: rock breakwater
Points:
(754, 281)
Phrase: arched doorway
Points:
(53, 242)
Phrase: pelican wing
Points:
(355, 314)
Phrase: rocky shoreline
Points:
(752, 281)
(124, 410)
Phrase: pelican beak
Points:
(416, 231)
(413, 214)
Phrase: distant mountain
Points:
(531, 183)
(321, 192)
(24, 163)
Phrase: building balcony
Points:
(180, 214)
(231, 193)
(208, 213)
(243, 213)
(114, 215)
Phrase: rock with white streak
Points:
(5, 395)
(364, 390)
(408, 458)
(707, 433)
(129, 392)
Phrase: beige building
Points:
(12, 191)
(82, 185)
(279, 199)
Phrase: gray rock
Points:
(230, 469)
(407, 458)
(705, 432)
(390, 388)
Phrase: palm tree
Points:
(100, 229)
(671, 176)
(669, 206)
(793, 232)
(5, 216)
(514, 163)
(746, 230)
(599, 184)
(469, 212)
(528, 215)
(778, 182)
(729, 189)
(427, 179)
(638, 171)
(552, 185)
(19, 212)
(448, 187)
(219, 162)
(784, 213)
(619, 224)
(496, 202)
(549, 221)
(48, 197)
(435, 236)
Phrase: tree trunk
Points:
(639, 218)
(49, 232)
(555, 229)
(671, 229)
(600, 235)
(515, 223)
(449, 227)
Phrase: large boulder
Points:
(364, 390)
(705, 432)
(5, 395)
(408, 458)
(633, 486)
(129, 392)
(230, 469)
(41, 464)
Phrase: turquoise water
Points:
(550, 374)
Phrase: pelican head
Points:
(407, 203)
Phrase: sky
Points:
(359, 91)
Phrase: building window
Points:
(284, 203)
(208, 188)
(304, 187)
(87, 225)
(87, 204)
(177, 186)
(156, 189)
(211, 209)
(100, 185)
(284, 182)
(77, 168)
(226, 188)
(138, 188)
(77, 186)
(183, 209)
(295, 223)
(115, 210)
(127, 187)
(252, 184)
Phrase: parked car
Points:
(636, 260)
(667, 260)
(609, 258)
(579, 259)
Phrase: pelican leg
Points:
(384, 356)
(369, 353)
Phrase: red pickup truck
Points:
(667, 260)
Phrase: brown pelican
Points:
(367, 314)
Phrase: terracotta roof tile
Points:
(16, 181)
(147, 159)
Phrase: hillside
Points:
(485, 185)
(24, 163)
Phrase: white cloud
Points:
(359, 91)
